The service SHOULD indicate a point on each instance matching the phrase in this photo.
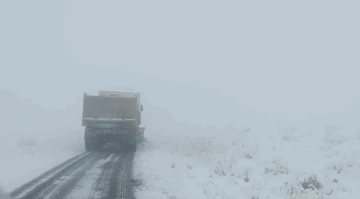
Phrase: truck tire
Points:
(88, 146)
(92, 146)
(131, 146)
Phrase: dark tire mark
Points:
(128, 172)
(121, 186)
(103, 182)
(114, 184)
(62, 190)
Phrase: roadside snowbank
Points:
(24, 157)
(279, 163)
(3, 194)
(33, 140)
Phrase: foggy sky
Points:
(280, 59)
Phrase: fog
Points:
(206, 63)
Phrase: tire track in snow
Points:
(121, 187)
(96, 181)
(68, 183)
(38, 183)
(90, 175)
(103, 183)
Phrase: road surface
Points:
(91, 175)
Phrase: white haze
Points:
(281, 59)
(195, 62)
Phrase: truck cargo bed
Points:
(108, 119)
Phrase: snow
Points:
(33, 141)
(108, 119)
(119, 94)
(86, 184)
(25, 158)
(250, 163)
(204, 63)
(183, 160)
(3, 194)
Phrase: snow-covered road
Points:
(88, 175)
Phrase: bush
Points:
(26, 142)
(276, 168)
(332, 135)
(291, 134)
(311, 183)
(309, 187)
(201, 147)
(225, 168)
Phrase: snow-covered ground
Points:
(33, 140)
(3, 194)
(24, 158)
(178, 160)
(255, 163)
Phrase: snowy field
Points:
(32, 140)
(321, 162)
(25, 157)
(182, 161)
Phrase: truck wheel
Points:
(131, 146)
(92, 146)
(89, 146)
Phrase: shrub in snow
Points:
(308, 187)
(276, 167)
(290, 134)
(332, 135)
(249, 152)
(26, 142)
(246, 130)
(248, 156)
(199, 147)
(246, 179)
(334, 139)
(137, 183)
(219, 170)
(311, 183)
(338, 169)
(332, 129)
(225, 168)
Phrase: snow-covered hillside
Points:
(180, 160)
(32, 140)
(3, 194)
(250, 163)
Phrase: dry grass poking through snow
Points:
(201, 147)
(289, 163)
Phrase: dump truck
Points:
(112, 117)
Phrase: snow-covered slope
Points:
(279, 163)
(32, 140)
(3, 194)
(306, 159)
